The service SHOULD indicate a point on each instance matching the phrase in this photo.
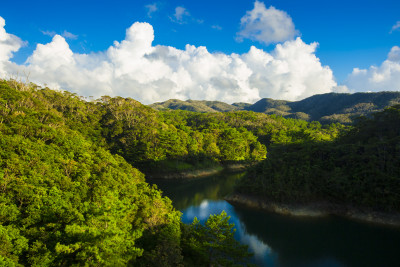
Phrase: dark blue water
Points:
(278, 240)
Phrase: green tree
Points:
(213, 244)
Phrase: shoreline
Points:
(198, 173)
(315, 209)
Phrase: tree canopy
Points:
(73, 192)
(360, 167)
(69, 195)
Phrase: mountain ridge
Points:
(326, 108)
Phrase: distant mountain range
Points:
(326, 108)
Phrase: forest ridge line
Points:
(325, 108)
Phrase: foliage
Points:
(69, 195)
(326, 108)
(64, 200)
(213, 243)
(360, 167)
(194, 105)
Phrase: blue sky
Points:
(350, 34)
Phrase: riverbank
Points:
(316, 209)
(200, 172)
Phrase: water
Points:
(278, 240)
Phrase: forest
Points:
(326, 108)
(68, 196)
(73, 189)
(361, 167)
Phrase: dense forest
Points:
(72, 188)
(360, 168)
(66, 200)
(72, 175)
(325, 108)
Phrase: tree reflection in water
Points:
(278, 240)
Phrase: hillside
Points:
(194, 105)
(71, 196)
(72, 184)
(342, 108)
(326, 108)
(72, 188)
(64, 198)
(360, 168)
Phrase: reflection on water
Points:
(186, 193)
(329, 241)
(278, 240)
(263, 255)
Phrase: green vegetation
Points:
(183, 140)
(326, 108)
(359, 168)
(213, 244)
(194, 105)
(71, 192)
(175, 140)
(65, 200)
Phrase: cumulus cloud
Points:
(395, 27)
(8, 45)
(135, 68)
(385, 77)
(291, 71)
(151, 8)
(341, 89)
(266, 25)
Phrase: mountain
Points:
(196, 105)
(334, 107)
(326, 108)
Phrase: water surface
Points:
(278, 240)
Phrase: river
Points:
(279, 240)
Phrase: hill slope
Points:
(69, 197)
(194, 105)
(360, 168)
(326, 108)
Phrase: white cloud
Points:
(216, 27)
(266, 25)
(181, 15)
(49, 33)
(65, 34)
(135, 68)
(52, 55)
(69, 35)
(151, 8)
(256, 246)
(8, 45)
(395, 27)
(341, 89)
(291, 71)
(394, 54)
(385, 77)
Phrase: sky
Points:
(231, 51)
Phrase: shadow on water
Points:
(186, 193)
(278, 240)
(329, 241)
